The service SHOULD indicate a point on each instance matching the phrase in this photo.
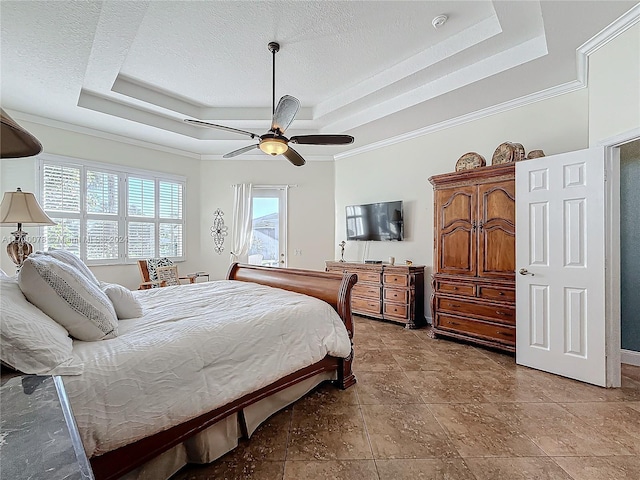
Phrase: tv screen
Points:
(375, 221)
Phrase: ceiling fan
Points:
(274, 142)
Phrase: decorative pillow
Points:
(153, 264)
(71, 259)
(30, 341)
(125, 304)
(67, 296)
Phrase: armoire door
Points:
(497, 230)
(456, 226)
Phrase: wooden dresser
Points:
(390, 292)
(474, 259)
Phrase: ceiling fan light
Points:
(274, 146)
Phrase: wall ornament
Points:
(218, 231)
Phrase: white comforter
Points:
(196, 348)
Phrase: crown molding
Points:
(470, 117)
(604, 36)
(71, 127)
(611, 31)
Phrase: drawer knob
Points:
(500, 293)
(455, 305)
(502, 313)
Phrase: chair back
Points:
(148, 271)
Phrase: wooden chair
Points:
(160, 282)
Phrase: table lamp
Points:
(21, 207)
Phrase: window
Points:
(107, 216)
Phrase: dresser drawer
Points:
(501, 333)
(373, 277)
(395, 295)
(365, 305)
(497, 293)
(392, 279)
(366, 290)
(457, 288)
(498, 312)
(392, 310)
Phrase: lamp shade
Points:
(22, 207)
(274, 145)
(15, 141)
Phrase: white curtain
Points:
(241, 226)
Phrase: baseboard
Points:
(630, 357)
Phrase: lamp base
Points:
(19, 249)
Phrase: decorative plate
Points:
(470, 160)
(535, 154)
(507, 152)
(520, 153)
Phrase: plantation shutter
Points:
(61, 200)
(170, 208)
(102, 207)
(107, 216)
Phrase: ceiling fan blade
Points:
(294, 157)
(322, 139)
(284, 114)
(200, 123)
(239, 151)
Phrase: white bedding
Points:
(196, 348)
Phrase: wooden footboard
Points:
(335, 289)
(331, 288)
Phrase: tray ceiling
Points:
(370, 69)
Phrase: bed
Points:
(183, 385)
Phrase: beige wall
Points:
(614, 87)
(310, 209)
(401, 171)
(22, 173)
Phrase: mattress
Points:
(196, 348)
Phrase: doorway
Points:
(269, 226)
(630, 252)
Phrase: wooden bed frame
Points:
(329, 287)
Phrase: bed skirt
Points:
(221, 438)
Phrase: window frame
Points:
(123, 218)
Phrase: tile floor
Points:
(437, 409)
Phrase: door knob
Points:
(524, 271)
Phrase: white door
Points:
(560, 267)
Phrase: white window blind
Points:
(108, 216)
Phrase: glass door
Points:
(269, 226)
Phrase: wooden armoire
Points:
(473, 284)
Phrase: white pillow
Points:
(125, 304)
(30, 341)
(67, 296)
(71, 259)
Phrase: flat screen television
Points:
(375, 221)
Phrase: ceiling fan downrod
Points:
(274, 47)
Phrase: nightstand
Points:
(38, 434)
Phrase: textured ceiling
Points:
(370, 69)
